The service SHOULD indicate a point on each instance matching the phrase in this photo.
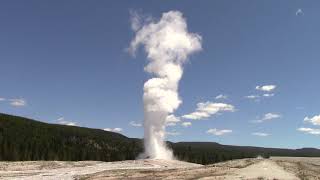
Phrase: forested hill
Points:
(26, 139)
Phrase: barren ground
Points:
(274, 168)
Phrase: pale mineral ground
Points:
(290, 168)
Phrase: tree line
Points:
(23, 139)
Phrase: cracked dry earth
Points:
(274, 168)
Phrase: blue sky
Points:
(66, 62)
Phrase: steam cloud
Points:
(168, 44)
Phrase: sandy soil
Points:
(266, 169)
(274, 168)
(304, 168)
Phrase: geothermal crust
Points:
(274, 168)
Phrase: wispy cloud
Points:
(18, 102)
(254, 97)
(261, 134)
(207, 109)
(2, 99)
(62, 121)
(266, 88)
(172, 133)
(258, 97)
(268, 116)
(172, 120)
(315, 120)
(186, 124)
(113, 129)
(268, 95)
(218, 132)
(134, 124)
(299, 12)
(221, 96)
(309, 130)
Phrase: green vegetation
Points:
(23, 139)
(210, 152)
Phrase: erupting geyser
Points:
(167, 43)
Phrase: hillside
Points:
(210, 152)
(27, 139)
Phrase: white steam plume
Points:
(168, 44)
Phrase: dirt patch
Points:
(304, 168)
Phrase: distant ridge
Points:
(26, 139)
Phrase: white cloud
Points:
(113, 129)
(252, 97)
(267, 88)
(174, 133)
(268, 95)
(258, 97)
(299, 12)
(309, 130)
(117, 129)
(260, 134)
(207, 109)
(62, 121)
(268, 116)
(18, 102)
(2, 99)
(186, 124)
(315, 120)
(70, 123)
(172, 120)
(217, 132)
(134, 124)
(221, 96)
